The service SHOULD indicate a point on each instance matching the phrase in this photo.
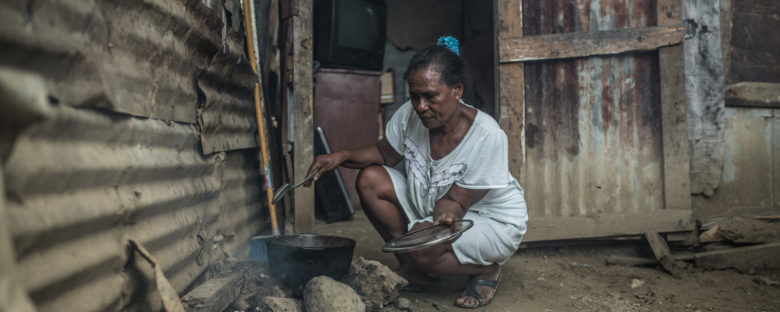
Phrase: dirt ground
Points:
(576, 278)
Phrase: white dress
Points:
(480, 161)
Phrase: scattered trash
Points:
(635, 283)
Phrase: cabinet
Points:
(346, 106)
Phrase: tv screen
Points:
(350, 33)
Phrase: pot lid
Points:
(427, 237)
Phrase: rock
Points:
(323, 294)
(403, 304)
(635, 283)
(277, 304)
(377, 284)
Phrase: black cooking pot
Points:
(295, 259)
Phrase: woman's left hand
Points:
(453, 205)
(447, 213)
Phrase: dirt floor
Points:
(576, 278)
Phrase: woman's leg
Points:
(441, 259)
(380, 204)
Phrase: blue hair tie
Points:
(449, 42)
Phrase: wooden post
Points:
(674, 118)
(303, 146)
(510, 81)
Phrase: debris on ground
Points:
(324, 294)
(278, 304)
(376, 283)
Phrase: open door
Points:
(591, 96)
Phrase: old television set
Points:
(350, 33)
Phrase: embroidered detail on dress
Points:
(420, 168)
(417, 162)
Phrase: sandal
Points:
(471, 291)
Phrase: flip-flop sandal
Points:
(471, 291)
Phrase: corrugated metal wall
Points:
(592, 124)
(138, 93)
(751, 168)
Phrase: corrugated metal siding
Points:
(83, 183)
(90, 176)
(154, 58)
(751, 168)
(592, 124)
(227, 117)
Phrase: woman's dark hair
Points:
(451, 67)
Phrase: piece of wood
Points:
(762, 256)
(749, 231)
(215, 294)
(753, 94)
(661, 252)
(510, 78)
(711, 235)
(674, 118)
(582, 44)
(303, 123)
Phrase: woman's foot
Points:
(481, 290)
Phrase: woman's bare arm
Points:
(453, 205)
(380, 153)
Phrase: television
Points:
(350, 33)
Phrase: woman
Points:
(456, 168)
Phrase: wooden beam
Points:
(581, 44)
(753, 94)
(303, 123)
(757, 257)
(216, 294)
(674, 118)
(510, 84)
(662, 252)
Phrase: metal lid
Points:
(427, 237)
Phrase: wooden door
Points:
(591, 95)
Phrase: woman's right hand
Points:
(325, 163)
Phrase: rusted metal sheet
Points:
(157, 59)
(135, 57)
(751, 166)
(593, 136)
(754, 42)
(227, 116)
(83, 182)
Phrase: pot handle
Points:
(314, 248)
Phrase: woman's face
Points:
(434, 101)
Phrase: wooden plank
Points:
(215, 294)
(747, 231)
(744, 259)
(581, 44)
(510, 82)
(661, 252)
(753, 94)
(545, 228)
(303, 146)
(674, 118)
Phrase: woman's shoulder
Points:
(487, 125)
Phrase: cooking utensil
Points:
(295, 259)
(286, 187)
(427, 237)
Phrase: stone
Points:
(635, 283)
(323, 294)
(377, 284)
(403, 304)
(278, 304)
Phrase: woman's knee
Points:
(372, 179)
